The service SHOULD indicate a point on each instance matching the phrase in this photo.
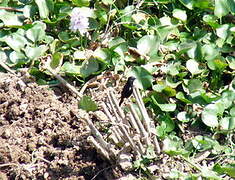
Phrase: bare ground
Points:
(41, 135)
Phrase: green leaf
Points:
(89, 67)
(43, 8)
(231, 62)
(227, 123)
(211, 20)
(168, 91)
(168, 123)
(121, 49)
(180, 96)
(115, 42)
(231, 6)
(209, 174)
(71, 68)
(203, 143)
(232, 111)
(143, 77)
(189, 47)
(160, 131)
(171, 69)
(37, 32)
(108, 2)
(165, 1)
(102, 54)
(29, 11)
(4, 2)
(219, 64)
(171, 83)
(223, 31)
(210, 51)
(164, 32)
(205, 4)
(227, 99)
(159, 87)
(164, 107)
(64, 36)
(18, 58)
(35, 52)
(81, 3)
(211, 111)
(167, 107)
(180, 14)
(194, 85)
(126, 17)
(119, 63)
(192, 66)
(56, 62)
(209, 115)
(102, 15)
(166, 21)
(187, 3)
(173, 145)
(87, 104)
(221, 8)
(148, 45)
(195, 52)
(79, 55)
(10, 18)
(228, 169)
(183, 117)
(16, 41)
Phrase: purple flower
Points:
(79, 22)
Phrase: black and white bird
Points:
(127, 89)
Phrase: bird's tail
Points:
(121, 101)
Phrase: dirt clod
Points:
(42, 136)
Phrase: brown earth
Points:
(42, 136)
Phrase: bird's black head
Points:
(131, 79)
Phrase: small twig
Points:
(120, 112)
(113, 107)
(40, 158)
(99, 147)
(116, 130)
(64, 82)
(117, 134)
(97, 134)
(203, 156)
(7, 68)
(134, 124)
(120, 118)
(86, 84)
(11, 9)
(156, 144)
(137, 140)
(8, 164)
(140, 125)
(133, 145)
(146, 119)
(198, 167)
(106, 111)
